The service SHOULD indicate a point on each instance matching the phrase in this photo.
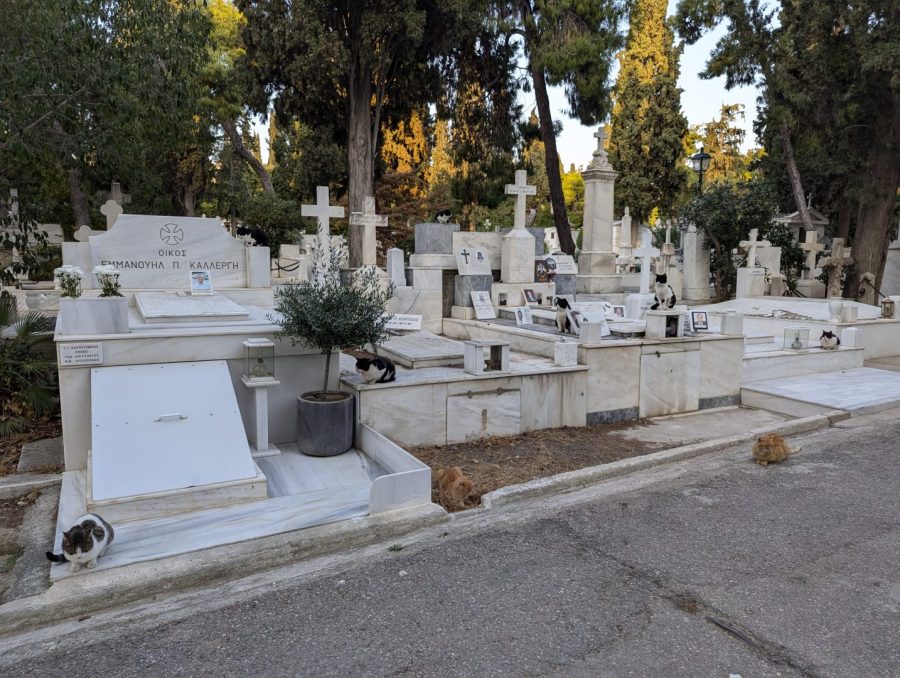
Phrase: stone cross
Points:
(625, 234)
(521, 190)
(835, 262)
(324, 213)
(115, 193)
(368, 221)
(646, 252)
(811, 249)
(111, 210)
(751, 245)
(600, 160)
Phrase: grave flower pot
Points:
(93, 315)
(325, 425)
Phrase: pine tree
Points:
(405, 153)
(440, 168)
(645, 145)
(722, 139)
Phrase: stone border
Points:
(587, 476)
(16, 484)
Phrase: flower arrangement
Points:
(108, 277)
(68, 278)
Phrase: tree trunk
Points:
(77, 197)
(360, 156)
(244, 153)
(187, 199)
(877, 198)
(551, 156)
(843, 220)
(794, 176)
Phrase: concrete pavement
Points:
(709, 567)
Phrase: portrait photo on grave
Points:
(530, 296)
(618, 312)
(699, 321)
(201, 282)
(523, 315)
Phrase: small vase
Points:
(835, 306)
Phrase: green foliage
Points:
(722, 140)
(726, 213)
(648, 128)
(28, 386)
(21, 232)
(573, 191)
(278, 217)
(328, 313)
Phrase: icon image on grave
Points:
(479, 255)
(201, 282)
(699, 320)
(171, 234)
(541, 272)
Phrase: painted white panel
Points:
(157, 428)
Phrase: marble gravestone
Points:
(395, 268)
(474, 275)
(751, 279)
(159, 252)
(323, 212)
(517, 250)
(362, 233)
(636, 305)
(597, 261)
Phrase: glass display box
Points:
(796, 338)
(260, 359)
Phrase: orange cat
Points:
(771, 449)
(454, 487)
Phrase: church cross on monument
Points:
(324, 213)
(521, 190)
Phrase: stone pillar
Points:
(696, 266)
(597, 261)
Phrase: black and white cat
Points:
(376, 370)
(566, 316)
(259, 237)
(443, 216)
(829, 340)
(84, 542)
(663, 293)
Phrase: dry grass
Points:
(11, 447)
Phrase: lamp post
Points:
(700, 162)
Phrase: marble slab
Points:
(670, 383)
(158, 428)
(423, 349)
(156, 307)
(858, 391)
(480, 414)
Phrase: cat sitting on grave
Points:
(454, 487)
(664, 295)
(829, 341)
(566, 316)
(84, 542)
(771, 449)
(443, 216)
(376, 370)
(259, 237)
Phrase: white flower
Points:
(106, 269)
(68, 270)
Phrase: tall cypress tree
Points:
(645, 145)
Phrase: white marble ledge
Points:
(753, 351)
(519, 367)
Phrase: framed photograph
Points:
(201, 282)
(530, 297)
(523, 316)
(618, 312)
(699, 321)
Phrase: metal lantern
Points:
(887, 308)
(260, 359)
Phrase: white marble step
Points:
(858, 391)
(770, 361)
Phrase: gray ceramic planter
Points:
(325, 428)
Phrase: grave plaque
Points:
(484, 309)
(523, 316)
(472, 261)
(563, 264)
(159, 252)
(78, 355)
(404, 321)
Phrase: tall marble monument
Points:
(597, 261)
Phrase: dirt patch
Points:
(11, 446)
(12, 513)
(493, 463)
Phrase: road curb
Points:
(594, 474)
(92, 592)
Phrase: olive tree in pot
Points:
(329, 314)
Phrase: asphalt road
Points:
(717, 567)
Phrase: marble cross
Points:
(811, 248)
(521, 190)
(324, 213)
(600, 159)
(751, 245)
(368, 221)
(646, 252)
(115, 193)
(835, 262)
(111, 209)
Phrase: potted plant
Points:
(329, 313)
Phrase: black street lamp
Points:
(700, 163)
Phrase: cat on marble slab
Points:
(376, 370)
(829, 341)
(566, 316)
(664, 295)
(84, 542)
